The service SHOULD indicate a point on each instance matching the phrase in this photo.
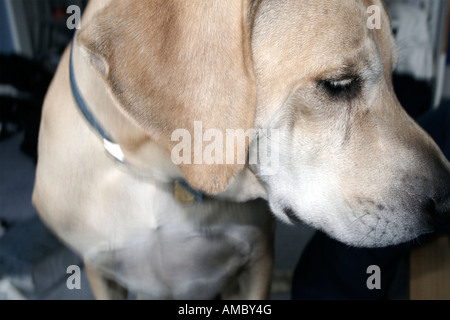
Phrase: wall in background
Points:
(6, 41)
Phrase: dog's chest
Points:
(187, 256)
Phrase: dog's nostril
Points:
(439, 209)
(291, 215)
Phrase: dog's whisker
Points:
(375, 229)
(383, 232)
(358, 219)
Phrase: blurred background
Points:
(33, 34)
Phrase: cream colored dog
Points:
(351, 162)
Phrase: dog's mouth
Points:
(373, 229)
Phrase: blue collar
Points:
(81, 104)
(110, 146)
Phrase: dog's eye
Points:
(345, 88)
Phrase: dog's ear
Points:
(172, 63)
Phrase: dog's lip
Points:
(291, 215)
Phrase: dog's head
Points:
(351, 162)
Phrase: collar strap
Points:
(110, 146)
(182, 192)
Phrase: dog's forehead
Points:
(309, 38)
(342, 21)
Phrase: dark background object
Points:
(20, 108)
(414, 95)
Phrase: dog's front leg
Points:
(104, 288)
(254, 282)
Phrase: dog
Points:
(350, 160)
